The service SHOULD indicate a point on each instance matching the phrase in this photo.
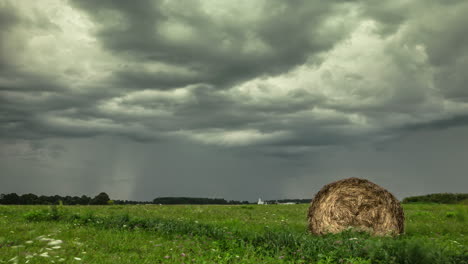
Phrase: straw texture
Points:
(358, 204)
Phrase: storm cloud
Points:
(202, 98)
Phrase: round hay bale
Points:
(358, 204)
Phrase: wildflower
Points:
(76, 258)
(182, 254)
(61, 260)
(55, 242)
(45, 255)
(56, 247)
(353, 238)
(29, 242)
(166, 257)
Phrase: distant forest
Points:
(13, 198)
(104, 199)
(296, 201)
(442, 198)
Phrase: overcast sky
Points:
(233, 99)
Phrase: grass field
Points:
(219, 234)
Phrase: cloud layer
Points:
(259, 78)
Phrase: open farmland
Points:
(219, 234)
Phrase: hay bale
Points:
(355, 203)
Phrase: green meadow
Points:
(220, 234)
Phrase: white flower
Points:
(55, 242)
(77, 258)
(56, 247)
(353, 238)
(29, 242)
(45, 255)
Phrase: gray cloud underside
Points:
(269, 73)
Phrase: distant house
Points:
(260, 201)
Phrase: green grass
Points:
(219, 234)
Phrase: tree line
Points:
(13, 198)
(296, 201)
(442, 198)
(103, 199)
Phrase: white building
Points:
(260, 201)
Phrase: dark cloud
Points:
(141, 79)
(219, 52)
(442, 34)
(455, 121)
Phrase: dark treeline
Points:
(192, 200)
(296, 201)
(443, 198)
(102, 199)
(13, 198)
